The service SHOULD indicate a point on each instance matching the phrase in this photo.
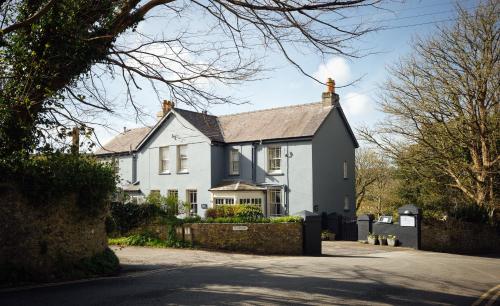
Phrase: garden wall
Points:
(456, 236)
(40, 238)
(260, 238)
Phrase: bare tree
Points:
(443, 101)
(55, 56)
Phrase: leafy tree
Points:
(371, 169)
(443, 107)
(55, 55)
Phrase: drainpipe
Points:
(288, 155)
(254, 162)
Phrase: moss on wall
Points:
(39, 241)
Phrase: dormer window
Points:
(234, 162)
(274, 159)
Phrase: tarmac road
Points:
(349, 273)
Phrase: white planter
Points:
(372, 241)
(392, 242)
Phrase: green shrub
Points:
(104, 263)
(44, 179)
(193, 219)
(286, 219)
(211, 213)
(100, 264)
(248, 212)
(242, 211)
(148, 239)
(127, 216)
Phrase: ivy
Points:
(46, 179)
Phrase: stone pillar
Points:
(365, 223)
(410, 224)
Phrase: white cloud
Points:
(336, 68)
(356, 105)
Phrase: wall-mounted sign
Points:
(204, 206)
(240, 228)
(385, 219)
(407, 220)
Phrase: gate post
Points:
(311, 233)
(410, 226)
(364, 226)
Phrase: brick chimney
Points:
(165, 108)
(330, 98)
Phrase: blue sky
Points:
(285, 85)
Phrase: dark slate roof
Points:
(277, 123)
(207, 124)
(124, 142)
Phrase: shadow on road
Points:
(238, 284)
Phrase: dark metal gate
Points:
(344, 227)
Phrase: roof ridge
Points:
(190, 111)
(268, 109)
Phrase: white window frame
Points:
(345, 169)
(234, 162)
(224, 200)
(173, 192)
(251, 201)
(273, 204)
(182, 159)
(192, 198)
(164, 161)
(271, 151)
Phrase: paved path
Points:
(348, 273)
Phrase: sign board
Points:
(240, 228)
(385, 219)
(204, 206)
(407, 220)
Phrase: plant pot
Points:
(383, 241)
(372, 241)
(392, 242)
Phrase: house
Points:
(285, 159)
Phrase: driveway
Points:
(348, 273)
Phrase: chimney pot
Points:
(330, 85)
(167, 106)
(330, 98)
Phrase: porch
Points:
(269, 197)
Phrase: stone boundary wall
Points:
(40, 238)
(455, 236)
(259, 238)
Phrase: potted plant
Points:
(372, 239)
(392, 240)
(325, 235)
(382, 239)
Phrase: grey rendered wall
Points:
(126, 169)
(296, 165)
(177, 131)
(331, 146)
(218, 164)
